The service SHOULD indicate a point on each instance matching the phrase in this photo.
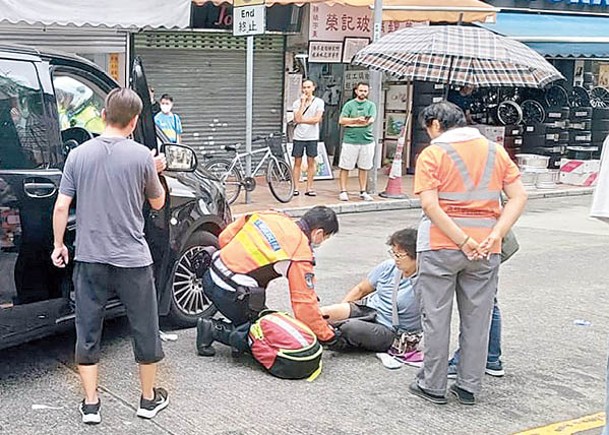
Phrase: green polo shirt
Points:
(355, 109)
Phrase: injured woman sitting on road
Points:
(365, 316)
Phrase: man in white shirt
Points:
(308, 111)
(600, 211)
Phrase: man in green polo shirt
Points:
(358, 146)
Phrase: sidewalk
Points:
(327, 194)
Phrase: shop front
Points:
(570, 119)
(332, 35)
(203, 69)
(78, 28)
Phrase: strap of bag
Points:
(395, 320)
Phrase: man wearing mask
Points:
(169, 122)
(358, 147)
(308, 111)
(254, 250)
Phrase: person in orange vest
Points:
(459, 178)
(254, 250)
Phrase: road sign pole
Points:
(249, 19)
(376, 88)
(249, 109)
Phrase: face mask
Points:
(165, 108)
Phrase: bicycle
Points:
(231, 173)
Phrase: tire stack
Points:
(424, 94)
(550, 138)
(580, 130)
(600, 129)
(513, 140)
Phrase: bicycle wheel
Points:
(231, 181)
(279, 177)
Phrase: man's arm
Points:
(358, 292)
(60, 222)
(304, 301)
(314, 120)
(154, 189)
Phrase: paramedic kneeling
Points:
(254, 250)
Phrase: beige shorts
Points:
(360, 155)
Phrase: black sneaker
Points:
(90, 413)
(418, 391)
(150, 408)
(464, 397)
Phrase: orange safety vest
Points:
(474, 207)
(261, 239)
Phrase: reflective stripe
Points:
(459, 163)
(476, 195)
(475, 222)
(485, 181)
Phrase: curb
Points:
(405, 204)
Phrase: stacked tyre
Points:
(600, 129)
(513, 140)
(580, 131)
(425, 93)
(557, 135)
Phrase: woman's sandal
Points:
(311, 193)
(296, 193)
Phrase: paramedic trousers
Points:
(441, 275)
(235, 310)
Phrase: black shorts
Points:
(134, 287)
(300, 145)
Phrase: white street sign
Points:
(249, 20)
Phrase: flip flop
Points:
(389, 362)
(296, 193)
(311, 193)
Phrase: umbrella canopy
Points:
(449, 11)
(459, 55)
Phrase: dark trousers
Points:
(235, 310)
(361, 331)
(134, 286)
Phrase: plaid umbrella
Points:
(459, 55)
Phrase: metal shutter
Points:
(67, 39)
(205, 73)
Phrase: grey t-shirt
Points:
(111, 178)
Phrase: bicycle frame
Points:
(238, 162)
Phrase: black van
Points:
(49, 104)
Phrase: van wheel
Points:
(188, 302)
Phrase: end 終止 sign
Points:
(249, 17)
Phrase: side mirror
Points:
(180, 158)
(68, 146)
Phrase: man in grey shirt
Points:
(111, 177)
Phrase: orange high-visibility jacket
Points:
(469, 177)
(257, 241)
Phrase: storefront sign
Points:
(352, 78)
(114, 66)
(249, 20)
(335, 23)
(352, 46)
(593, 6)
(325, 52)
(285, 19)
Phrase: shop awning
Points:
(110, 13)
(451, 11)
(556, 35)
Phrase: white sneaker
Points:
(365, 196)
(344, 196)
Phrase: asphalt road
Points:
(554, 368)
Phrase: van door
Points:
(29, 182)
(157, 221)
